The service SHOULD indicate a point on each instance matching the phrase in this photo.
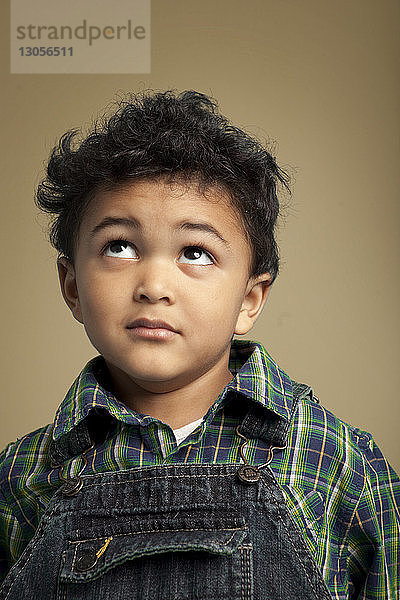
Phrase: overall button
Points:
(73, 486)
(248, 474)
(86, 561)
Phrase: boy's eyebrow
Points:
(201, 226)
(132, 223)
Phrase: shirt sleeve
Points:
(374, 537)
(8, 525)
(12, 539)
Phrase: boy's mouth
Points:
(144, 323)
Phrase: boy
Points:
(184, 464)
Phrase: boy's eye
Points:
(194, 253)
(120, 249)
(123, 249)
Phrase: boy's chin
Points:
(152, 377)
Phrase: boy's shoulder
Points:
(310, 402)
(325, 424)
(30, 448)
(341, 447)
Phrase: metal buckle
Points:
(73, 485)
(251, 473)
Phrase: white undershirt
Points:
(183, 432)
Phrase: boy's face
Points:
(159, 272)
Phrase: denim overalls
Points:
(170, 532)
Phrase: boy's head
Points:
(165, 212)
(173, 135)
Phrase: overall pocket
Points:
(169, 558)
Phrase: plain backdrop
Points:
(320, 79)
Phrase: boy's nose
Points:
(153, 282)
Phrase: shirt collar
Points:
(256, 376)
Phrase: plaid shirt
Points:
(339, 488)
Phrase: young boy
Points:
(184, 464)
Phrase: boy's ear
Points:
(69, 289)
(253, 302)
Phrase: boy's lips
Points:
(151, 324)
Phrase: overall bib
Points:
(170, 532)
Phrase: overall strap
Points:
(93, 429)
(267, 425)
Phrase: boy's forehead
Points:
(162, 199)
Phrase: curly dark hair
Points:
(166, 134)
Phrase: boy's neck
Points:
(176, 407)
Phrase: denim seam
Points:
(159, 477)
(87, 511)
(23, 568)
(59, 591)
(276, 485)
(271, 498)
(102, 537)
(246, 570)
(300, 560)
(177, 466)
(74, 558)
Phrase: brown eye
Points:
(120, 249)
(192, 253)
(197, 253)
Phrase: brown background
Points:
(320, 78)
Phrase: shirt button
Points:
(86, 561)
(248, 474)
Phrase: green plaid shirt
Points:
(340, 490)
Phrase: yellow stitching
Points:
(104, 547)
